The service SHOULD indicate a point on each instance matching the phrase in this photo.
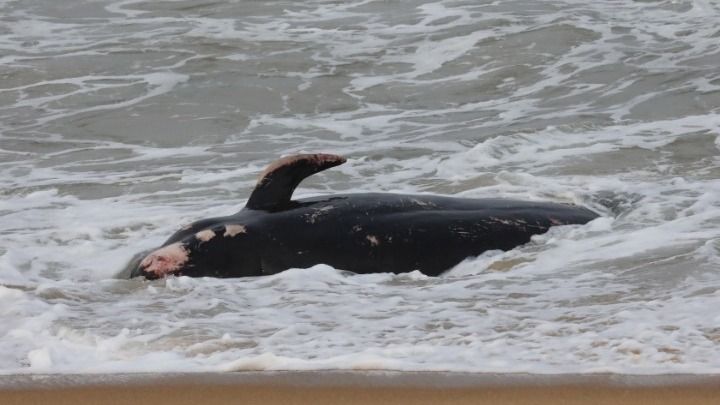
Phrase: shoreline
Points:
(357, 387)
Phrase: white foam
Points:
(120, 8)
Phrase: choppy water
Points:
(121, 120)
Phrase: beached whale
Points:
(362, 233)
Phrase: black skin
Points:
(366, 233)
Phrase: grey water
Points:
(120, 121)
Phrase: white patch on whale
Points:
(234, 229)
(165, 260)
(206, 235)
(318, 213)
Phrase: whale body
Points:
(362, 233)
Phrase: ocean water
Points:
(120, 121)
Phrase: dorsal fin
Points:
(277, 183)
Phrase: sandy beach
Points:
(358, 388)
(125, 122)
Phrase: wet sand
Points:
(358, 388)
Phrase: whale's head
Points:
(198, 251)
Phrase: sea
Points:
(121, 121)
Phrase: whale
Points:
(357, 232)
